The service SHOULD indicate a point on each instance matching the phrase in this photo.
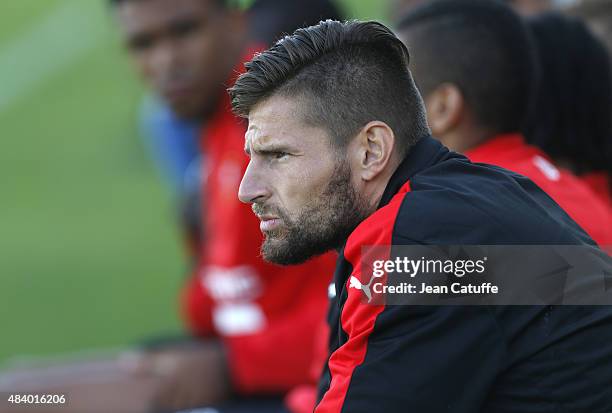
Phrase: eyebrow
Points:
(268, 148)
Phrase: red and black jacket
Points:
(462, 359)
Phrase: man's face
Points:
(177, 46)
(300, 186)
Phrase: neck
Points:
(375, 192)
(463, 140)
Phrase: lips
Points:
(268, 222)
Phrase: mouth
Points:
(179, 90)
(268, 223)
(177, 94)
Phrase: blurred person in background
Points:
(528, 7)
(598, 15)
(477, 81)
(572, 118)
(525, 7)
(252, 338)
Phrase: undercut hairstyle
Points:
(482, 47)
(572, 119)
(344, 75)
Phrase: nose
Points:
(165, 58)
(253, 186)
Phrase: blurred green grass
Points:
(89, 254)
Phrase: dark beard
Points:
(324, 224)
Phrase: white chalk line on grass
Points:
(49, 46)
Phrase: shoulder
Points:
(459, 202)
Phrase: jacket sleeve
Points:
(279, 357)
(196, 308)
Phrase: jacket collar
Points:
(427, 152)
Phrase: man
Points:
(597, 14)
(575, 68)
(340, 158)
(476, 74)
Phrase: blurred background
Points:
(90, 253)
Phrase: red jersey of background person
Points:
(265, 314)
(599, 182)
(575, 197)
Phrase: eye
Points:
(141, 43)
(185, 28)
(279, 155)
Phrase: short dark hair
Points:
(573, 116)
(348, 74)
(481, 46)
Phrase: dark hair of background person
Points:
(271, 19)
(572, 120)
(347, 74)
(220, 3)
(400, 7)
(481, 46)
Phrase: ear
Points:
(445, 106)
(374, 146)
